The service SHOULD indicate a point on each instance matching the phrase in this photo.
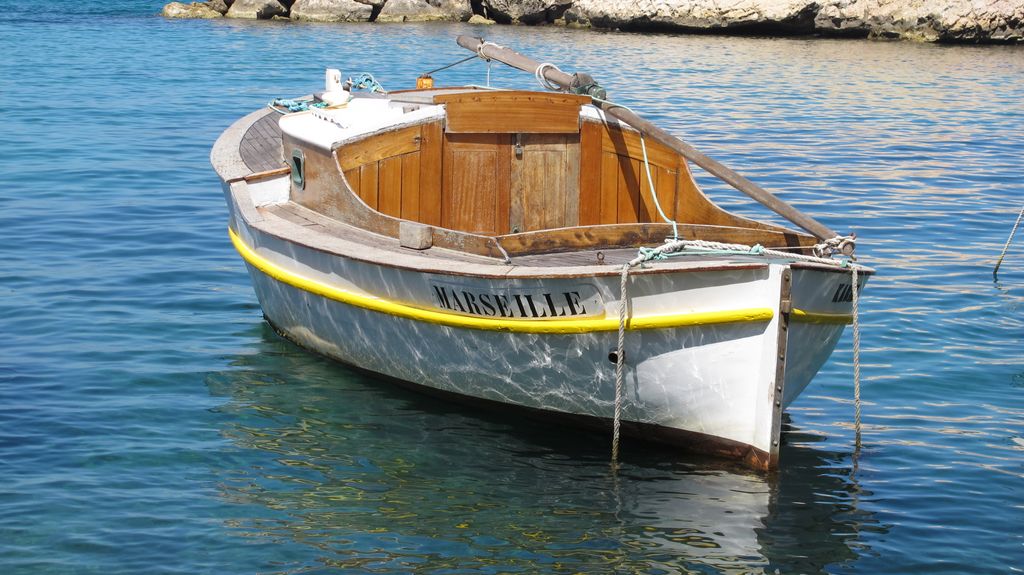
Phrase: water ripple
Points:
(150, 421)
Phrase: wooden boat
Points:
(483, 244)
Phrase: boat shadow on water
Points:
(341, 471)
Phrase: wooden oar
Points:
(727, 175)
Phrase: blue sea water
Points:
(150, 421)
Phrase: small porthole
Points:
(298, 166)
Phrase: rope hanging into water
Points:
(1007, 246)
(620, 362)
(856, 359)
(677, 246)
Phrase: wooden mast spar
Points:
(490, 51)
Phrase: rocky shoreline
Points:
(947, 21)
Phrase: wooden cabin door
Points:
(476, 183)
(545, 182)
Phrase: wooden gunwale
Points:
(396, 257)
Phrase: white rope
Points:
(856, 359)
(654, 194)
(480, 52)
(620, 359)
(543, 81)
(676, 245)
(1008, 240)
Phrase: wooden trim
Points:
(431, 148)
(632, 234)
(264, 175)
(589, 197)
(512, 112)
(376, 147)
(778, 383)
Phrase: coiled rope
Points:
(542, 80)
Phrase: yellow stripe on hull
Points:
(551, 326)
(802, 316)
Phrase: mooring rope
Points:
(673, 247)
(620, 359)
(1008, 240)
(856, 358)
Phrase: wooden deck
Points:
(260, 147)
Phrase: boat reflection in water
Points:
(336, 470)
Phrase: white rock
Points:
(331, 11)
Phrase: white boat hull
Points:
(711, 387)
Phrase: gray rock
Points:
(790, 16)
(256, 9)
(575, 17)
(374, 3)
(409, 11)
(219, 6)
(193, 10)
(331, 11)
(925, 20)
(456, 10)
(533, 11)
(425, 11)
(478, 19)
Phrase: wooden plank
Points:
(411, 186)
(609, 188)
(476, 189)
(589, 197)
(571, 195)
(389, 186)
(379, 146)
(507, 111)
(430, 173)
(627, 143)
(538, 186)
(352, 177)
(646, 212)
(504, 184)
(628, 190)
(368, 184)
(666, 183)
(664, 186)
(631, 235)
(551, 179)
(518, 196)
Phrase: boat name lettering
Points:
(516, 305)
(844, 293)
